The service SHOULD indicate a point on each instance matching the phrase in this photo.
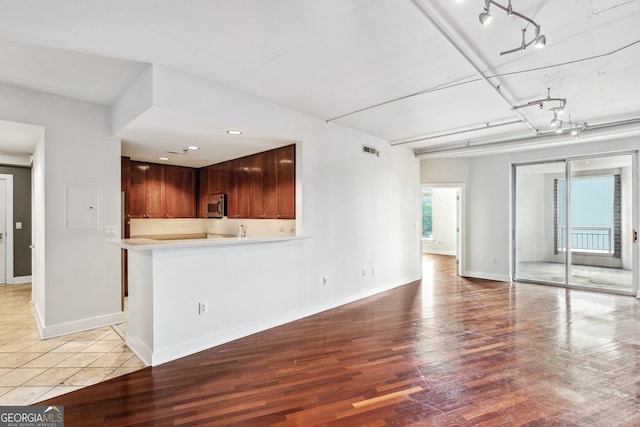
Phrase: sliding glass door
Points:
(535, 223)
(599, 230)
(574, 223)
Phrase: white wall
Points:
(444, 216)
(362, 212)
(81, 279)
(38, 237)
(488, 198)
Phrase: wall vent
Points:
(370, 150)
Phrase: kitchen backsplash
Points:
(255, 227)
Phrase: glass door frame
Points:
(635, 208)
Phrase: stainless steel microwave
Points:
(216, 205)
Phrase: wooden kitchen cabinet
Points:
(241, 188)
(180, 192)
(161, 191)
(270, 184)
(260, 186)
(156, 190)
(286, 186)
(146, 199)
(219, 178)
(256, 186)
(238, 196)
(203, 190)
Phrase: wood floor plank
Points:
(446, 351)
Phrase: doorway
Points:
(443, 220)
(575, 222)
(6, 225)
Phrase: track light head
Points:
(559, 128)
(575, 132)
(538, 40)
(485, 17)
(555, 122)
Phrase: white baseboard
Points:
(204, 343)
(39, 318)
(487, 276)
(80, 325)
(138, 347)
(22, 279)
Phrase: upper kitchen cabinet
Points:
(238, 197)
(286, 182)
(159, 191)
(218, 178)
(203, 190)
(256, 186)
(180, 192)
(147, 195)
(262, 186)
(270, 184)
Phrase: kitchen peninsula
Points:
(187, 295)
(191, 283)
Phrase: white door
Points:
(3, 231)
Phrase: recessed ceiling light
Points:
(193, 147)
(234, 132)
(163, 158)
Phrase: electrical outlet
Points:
(109, 230)
(325, 280)
(493, 260)
(202, 307)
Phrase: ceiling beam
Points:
(469, 61)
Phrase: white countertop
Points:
(146, 243)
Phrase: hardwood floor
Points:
(444, 352)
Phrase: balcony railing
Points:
(587, 239)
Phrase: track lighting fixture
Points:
(538, 40)
(558, 126)
(558, 109)
(576, 129)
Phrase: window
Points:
(427, 214)
(594, 203)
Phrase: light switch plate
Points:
(109, 230)
(18, 226)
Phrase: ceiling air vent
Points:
(370, 150)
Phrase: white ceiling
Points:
(380, 66)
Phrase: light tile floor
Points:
(32, 369)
